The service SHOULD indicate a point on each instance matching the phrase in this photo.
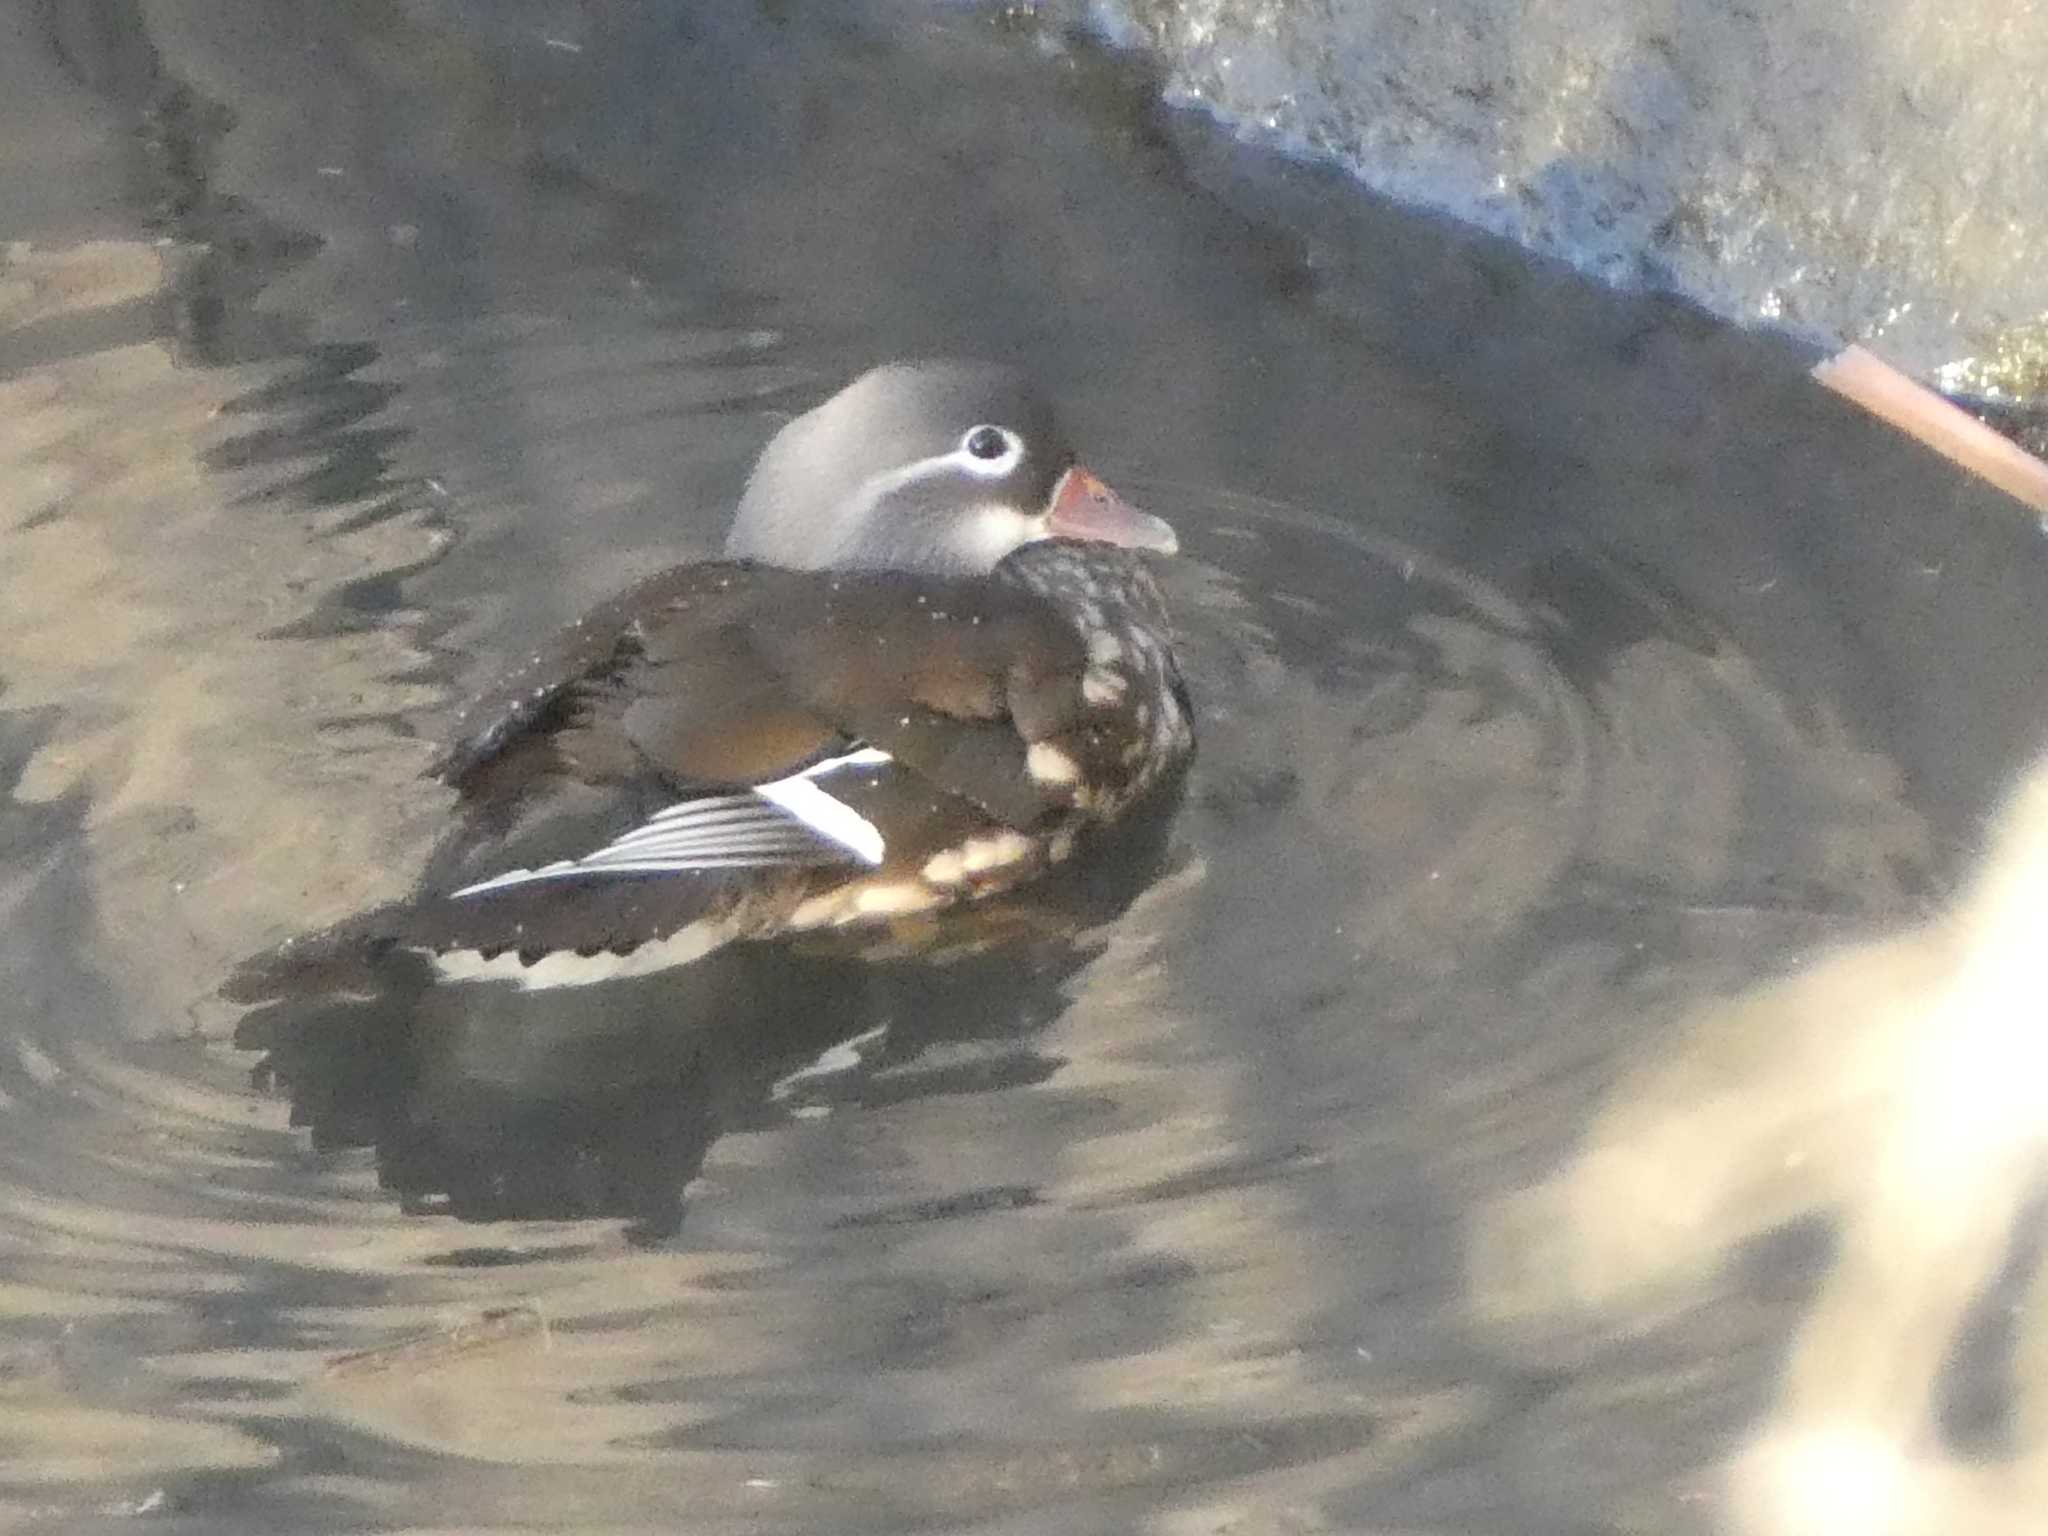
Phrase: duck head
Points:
(936, 467)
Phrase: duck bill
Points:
(1084, 508)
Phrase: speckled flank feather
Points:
(1135, 723)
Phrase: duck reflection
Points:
(492, 1104)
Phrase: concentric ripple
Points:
(1161, 1204)
(1155, 1204)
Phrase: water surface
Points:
(1562, 660)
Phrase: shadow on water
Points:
(603, 1104)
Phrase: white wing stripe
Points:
(758, 817)
(701, 812)
(681, 854)
(571, 868)
(866, 757)
(826, 816)
(728, 832)
(786, 834)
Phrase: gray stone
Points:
(1871, 170)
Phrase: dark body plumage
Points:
(1017, 712)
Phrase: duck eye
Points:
(987, 442)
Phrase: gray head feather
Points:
(877, 477)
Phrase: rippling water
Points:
(1370, 1154)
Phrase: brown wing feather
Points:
(659, 681)
(737, 674)
(955, 680)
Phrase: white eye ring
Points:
(973, 454)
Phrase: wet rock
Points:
(1853, 171)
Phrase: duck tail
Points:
(357, 957)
